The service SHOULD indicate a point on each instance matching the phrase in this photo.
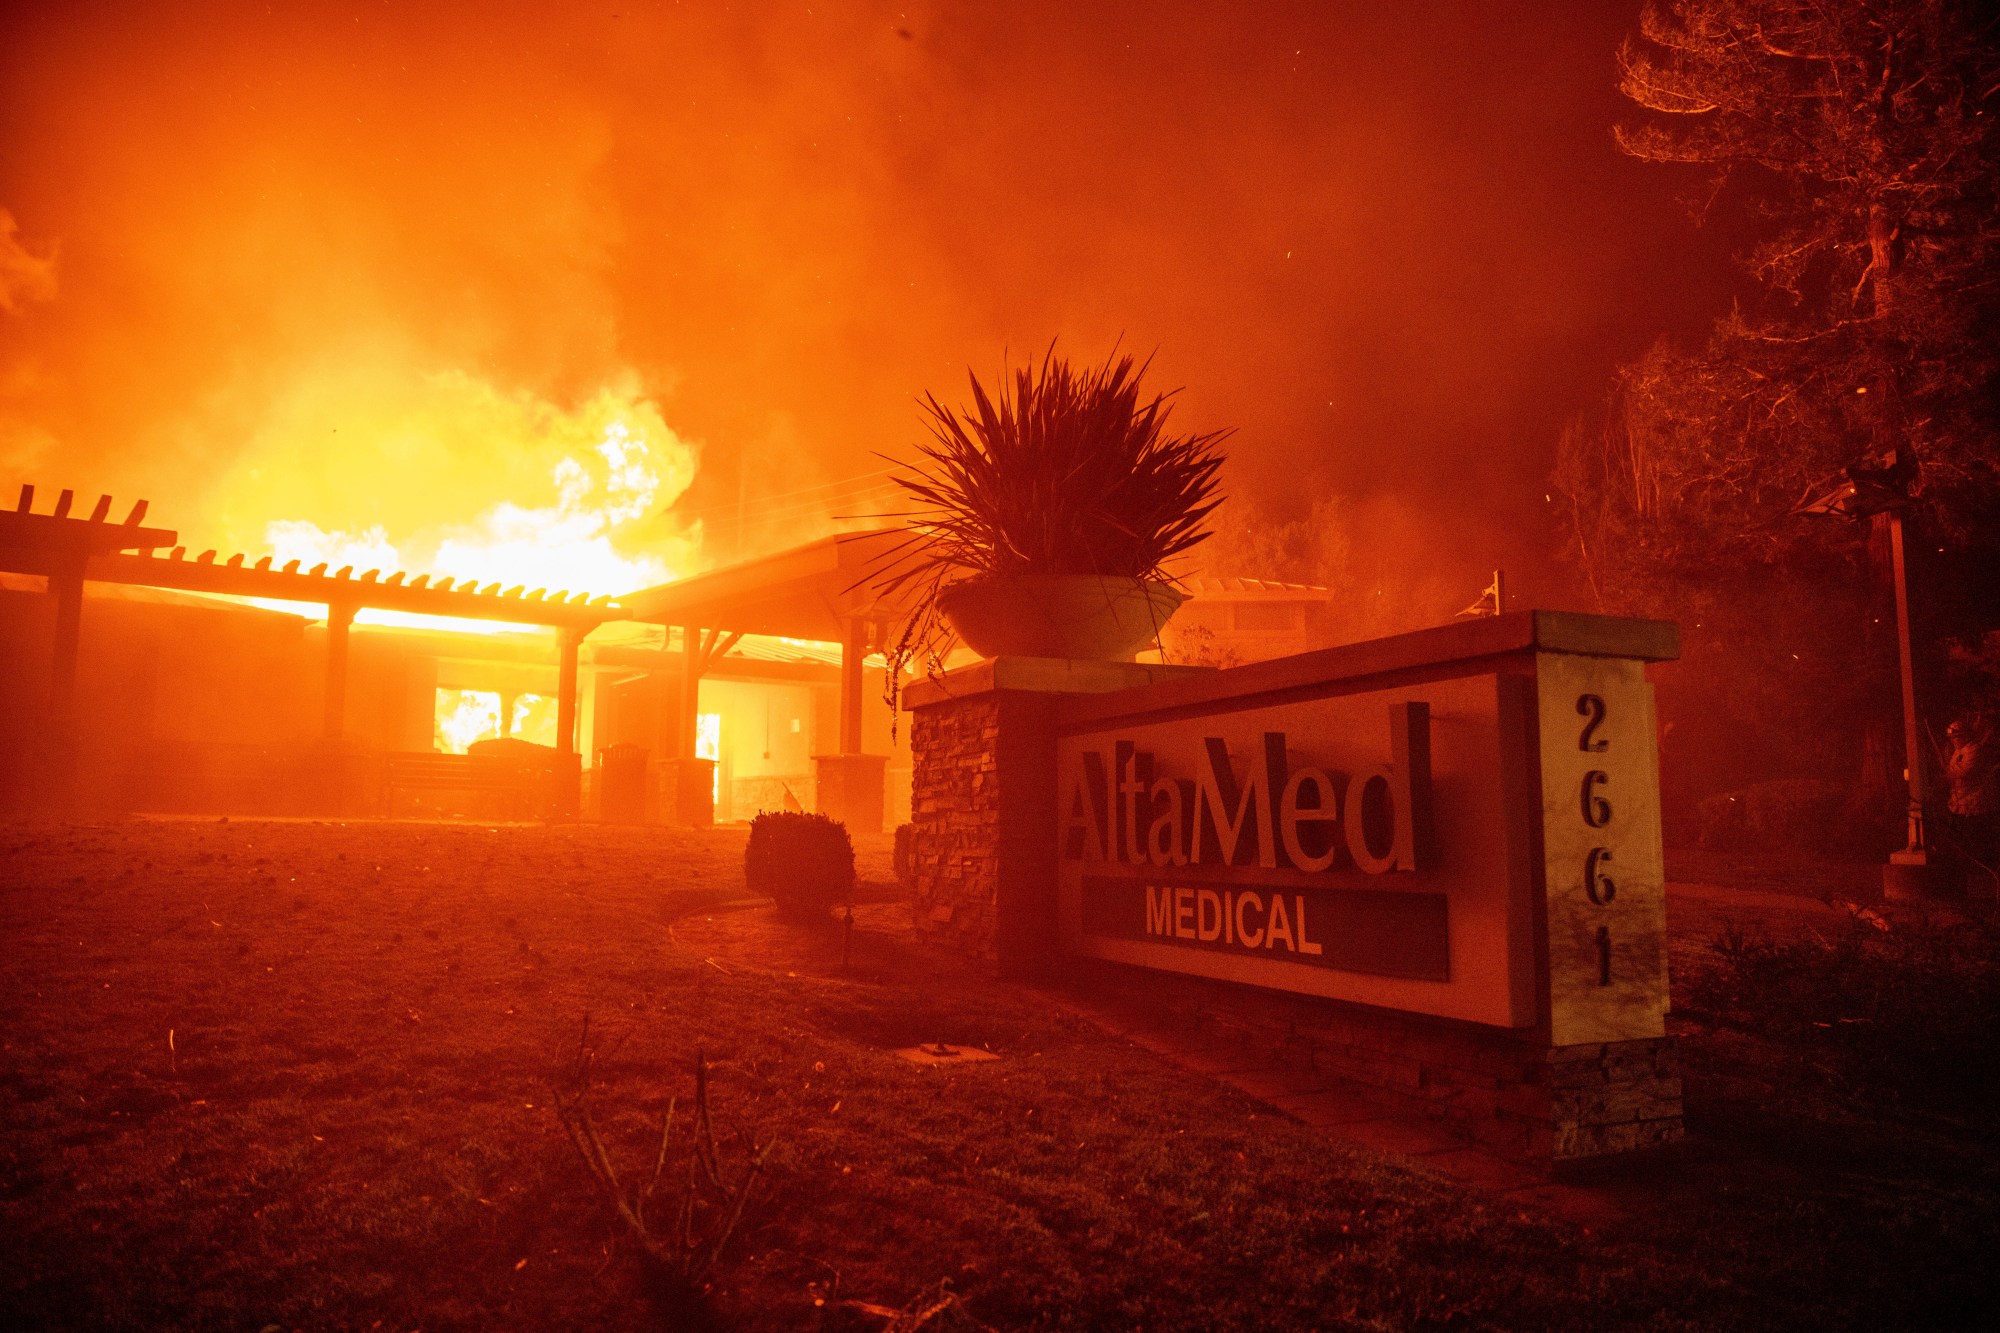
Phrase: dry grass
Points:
(352, 1122)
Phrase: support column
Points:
(341, 775)
(687, 784)
(566, 799)
(339, 620)
(567, 641)
(849, 782)
(66, 584)
(853, 656)
(690, 702)
(666, 692)
(664, 685)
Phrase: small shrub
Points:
(1907, 1012)
(904, 859)
(804, 862)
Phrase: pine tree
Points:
(1855, 142)
(1858, 138)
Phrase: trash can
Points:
(621, 784)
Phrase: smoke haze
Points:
(1393, 245)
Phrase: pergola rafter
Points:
(463, 599)
(70, 551)
(61, 548)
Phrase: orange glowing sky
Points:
(371, 264)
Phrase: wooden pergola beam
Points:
(714, 645)
(59, 548)
(447, 598)
(567, 642)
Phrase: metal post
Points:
(1913, 756)
(1880, 491)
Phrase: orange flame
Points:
(465, 716)
(453, 443)
(462, 717)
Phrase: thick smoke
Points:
(1394, 247)
(24, 277)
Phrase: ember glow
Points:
(465, 716)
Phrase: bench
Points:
(522, 786)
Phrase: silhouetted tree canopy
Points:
(1857, 141)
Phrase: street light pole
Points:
(1908, 873)
(1883, 492)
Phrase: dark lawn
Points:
(351, 1122)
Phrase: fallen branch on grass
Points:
(686, 1250)
(941, 1304)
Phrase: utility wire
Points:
(835, 487)
(749, 513)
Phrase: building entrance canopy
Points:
(830, 590)
(814, 591)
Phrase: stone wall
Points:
(748, 797)
(1510, 1093)
(983, 806)
(955, 805)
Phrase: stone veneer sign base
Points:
(1426, 865)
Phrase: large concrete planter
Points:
(1058, 615)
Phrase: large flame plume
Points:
(1396, 264)
(445, 474)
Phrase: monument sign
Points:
(1378, 845)
(1436, 857)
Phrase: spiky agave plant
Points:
(1064, 470)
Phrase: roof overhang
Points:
(808, 592)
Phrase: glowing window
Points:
(534, 719)
(464, 716)
(708, 745)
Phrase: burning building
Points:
(324, 678)
(205, 684)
